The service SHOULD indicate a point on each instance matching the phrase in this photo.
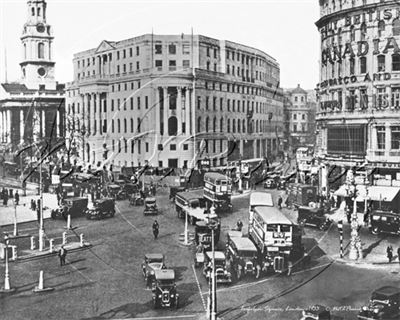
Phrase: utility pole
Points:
(41, 229)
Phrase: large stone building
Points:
(32, 110)
(173, 100)
(299, 109)
(358, 120)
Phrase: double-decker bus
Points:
(218, 191)
(272, 233)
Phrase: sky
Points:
(283, 29)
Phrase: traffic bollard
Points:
(33, 246)
(64, 238)
(14, 253)
(51, 243)
(69, 222)
(40, 287)
(82, 243)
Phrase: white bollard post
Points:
(33, 246)
(41, 284)
(14, 253)
(64, 238)
(40, 287)
(82, 243)
(69, 222)
(51, 243)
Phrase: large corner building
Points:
(358, 120)
(173, 100)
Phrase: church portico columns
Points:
(21, 126)
(179, 110)
(166, 109)
(8, 133)
(98, 109)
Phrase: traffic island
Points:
(189, 241)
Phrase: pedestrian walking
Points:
(389, 251)
(16, 197)
(5, 199)
(280, 202)
(290, 266)
(155, 229)
(62, 253)
(24, 188)
(239, 225)
(398, 254)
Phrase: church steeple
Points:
(37, 65)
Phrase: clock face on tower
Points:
(41, 71)
(40, 28)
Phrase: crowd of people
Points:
(8, 194)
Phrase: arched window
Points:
(381, 63)
(228, 125)
(41, 50)
(363, 31)
(199, 124)
(33, 11)
(131, 125)
(233, 125)
(172, 126)
(244, 126)
(126, 145)
(38, 12)
(119, 125)
(119, 146)
(396, 62)
(207, 123)
(221, 125)
(256, 125)
(125, 126)
(381, 28)
(396, 27)
(238, 125)
(215, 125)
(112, 125)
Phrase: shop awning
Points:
(375, 193)
(380, 193)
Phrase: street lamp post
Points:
(41, 229)
(355, 251)
(213, 301)
(7, 286)
(15, 220)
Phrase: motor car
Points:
(102, 208)
(164, 289)
(221, 271)
(313, 217)
(75, 207)
(384, 304)
(270, 183)
(151, 263)
(316, 312)
(113, 190)
(174, 190)
(243, 256)
(150, 206)
(384, 222)
(136, 199)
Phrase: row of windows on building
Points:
(336, 69)
(359, 100)
(302, 116)
(234, 125)
(245, 74)
(245, 59)
(299, 127)
(236, 88)
(363, 32)
(233, 105)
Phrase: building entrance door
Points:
(172, 163)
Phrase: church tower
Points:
(37, 65)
